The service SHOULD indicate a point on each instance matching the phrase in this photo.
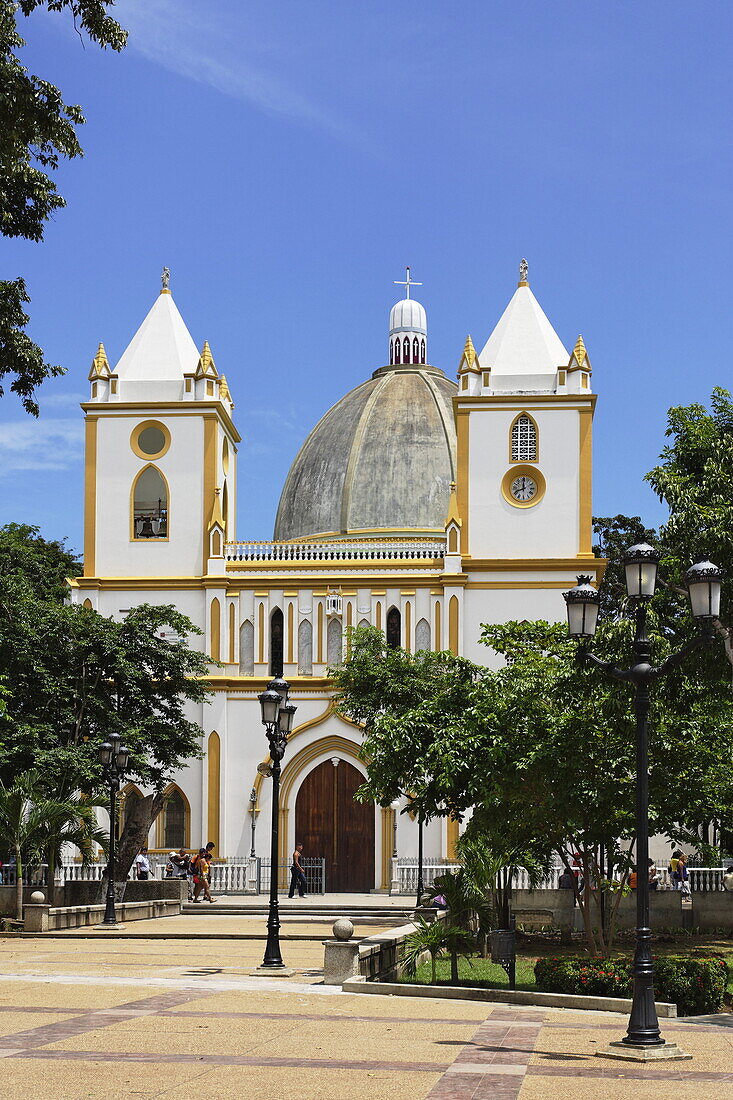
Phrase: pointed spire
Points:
(453, 515)
(224, 393)
(579, 359)
(469, 359)
(100, 364)
(217, 516)
(206, 365)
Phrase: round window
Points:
(150, 439)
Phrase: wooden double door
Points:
(331, 825)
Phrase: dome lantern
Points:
(408, 328)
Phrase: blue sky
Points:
(287, 160)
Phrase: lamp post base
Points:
(272, 972)
(107, 927)
(627, 1053)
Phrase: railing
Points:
(355, 550)
(313, 866)
(407, 872)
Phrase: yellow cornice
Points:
(524, 400)
(170, 408)
(523, 565)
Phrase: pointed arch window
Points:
(406, 350)
(422, 351)
(415, 351)
(524, 439)
(150, 505)
(305, 648)
(391, 352)
(276, 643)
(394, 628)
(247, 648)
(334, 642)
(175, 820)
(397, 350)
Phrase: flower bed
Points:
(696, 984)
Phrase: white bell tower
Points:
(160, 466)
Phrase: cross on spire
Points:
(407, 282)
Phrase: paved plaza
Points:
(169, 1017)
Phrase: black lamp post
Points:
(113, 757)
(277, 718)
(703, 584)
(253, 813)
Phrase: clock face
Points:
(523, 488)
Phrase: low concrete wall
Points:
(380, 956)
(7, 898)
(93, 893)
(713, 911)
(555, 907)
(44, 918)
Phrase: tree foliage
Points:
(37, 131)
(74, 677)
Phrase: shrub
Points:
(696, 984)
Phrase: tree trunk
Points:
(18, 885)
(433, 962)
(454, 968)
(135, 834)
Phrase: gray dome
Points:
(383, 457)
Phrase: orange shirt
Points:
(632, 880)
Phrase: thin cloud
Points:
(183, 41)
(44, 444)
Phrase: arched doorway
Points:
(329, 823)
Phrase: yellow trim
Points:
(536, 436)
(453, 624)
(437, 641)
(261, 633)
(523, 470)
(320, 633)
(232, 632)
(520, 565)
(135, 435)
(302, 728)
(214, 789)
(154, 538)
(210, 458)
(90, 497)
(466, 403)
(462, 473)
(387, 849)
(100, 409)
(452, 832)
(585, 483)
(378, 615)
(290, 633)
(215, 630)
(510, 585)
(408, 626)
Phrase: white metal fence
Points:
(702, 880)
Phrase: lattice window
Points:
(524, 440)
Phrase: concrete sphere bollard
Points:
(38, 897)
(343, 929)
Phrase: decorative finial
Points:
(407, 282)
(165, 279)
(453, 486)
(523, 273)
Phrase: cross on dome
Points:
(407, 282)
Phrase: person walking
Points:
(683, 876)
(200, 868)
(297, 874)
(653, 875)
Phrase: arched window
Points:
(391, 351)
(397, 350)
(129, 798)
(524, 439)
(406, 350)
(422, 351)
(394, 628)
(174, 820)
(247, 649)
(276, 643)
(305, 648)
(415, 351)
(422, 635)
(225, 508)
(150, 505)
(334, 642)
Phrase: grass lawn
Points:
(487, 975)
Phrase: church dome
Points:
(382, 459)
(408, 316)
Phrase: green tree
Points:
(74, 677)
(694, 480)
(37, 131)
(32, 825)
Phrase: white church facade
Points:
(418, 505)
